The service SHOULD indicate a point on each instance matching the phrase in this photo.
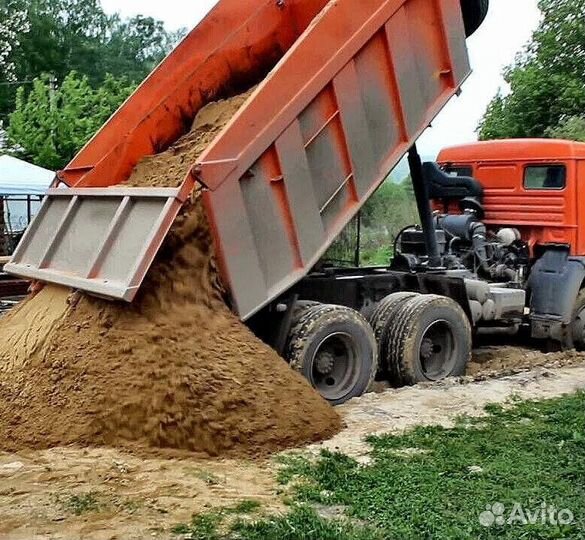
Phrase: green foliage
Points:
(202, 527)
(572, 128)
(248, 506)
(61, 36)
(387, 212)
(434, 482)
(50, 124)
(14, 25)
(207, 526)
(392, 208)
(302, 522)
(376, 256)
(137, 45)
(547, 82)
(81, 504)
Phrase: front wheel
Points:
(335, 349)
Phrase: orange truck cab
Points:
(535, 187)
(530, 184)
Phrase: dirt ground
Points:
(122, 496)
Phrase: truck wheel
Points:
(474, 13)
(382, 318)
(301, 307)
(578, 325)
(335, 349)
(429, 340)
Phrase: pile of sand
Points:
(175, 369)
(27, 328)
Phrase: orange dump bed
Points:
(351, 85)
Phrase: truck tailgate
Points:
(102, 241)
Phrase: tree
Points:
(386, 213)
(137, 45)
(571, 128)
(51, 123)
(77, 35)
(14, 25)
(547, 82)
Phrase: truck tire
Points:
(335, 349)
(380, 321)
(301, 307)
(474, 13)
(428, 340)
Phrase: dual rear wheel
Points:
(409, 338)
(335, 349)
(427, 340)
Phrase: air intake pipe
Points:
(421, 193)
(468, 228)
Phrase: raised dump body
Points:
(351, 86)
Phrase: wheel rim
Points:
(437, 351)
(335, 366)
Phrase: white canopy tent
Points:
(22, 186)
(18, 177)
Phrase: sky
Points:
(505, 32)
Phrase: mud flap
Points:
(554, 284)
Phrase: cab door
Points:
(580, 201)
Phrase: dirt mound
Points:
(26, 329)
(175, 369)
(507, 360)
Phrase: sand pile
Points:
(175, 369)
(26, 329)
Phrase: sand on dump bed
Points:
(174, 370)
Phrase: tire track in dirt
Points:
(396, 410)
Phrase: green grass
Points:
(248, 506)
(529, 454)
(433, 483)
(81, 504)
(207, 526)
(376, 257)
(202, 527)
(302, 523)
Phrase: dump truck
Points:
(343, 90)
